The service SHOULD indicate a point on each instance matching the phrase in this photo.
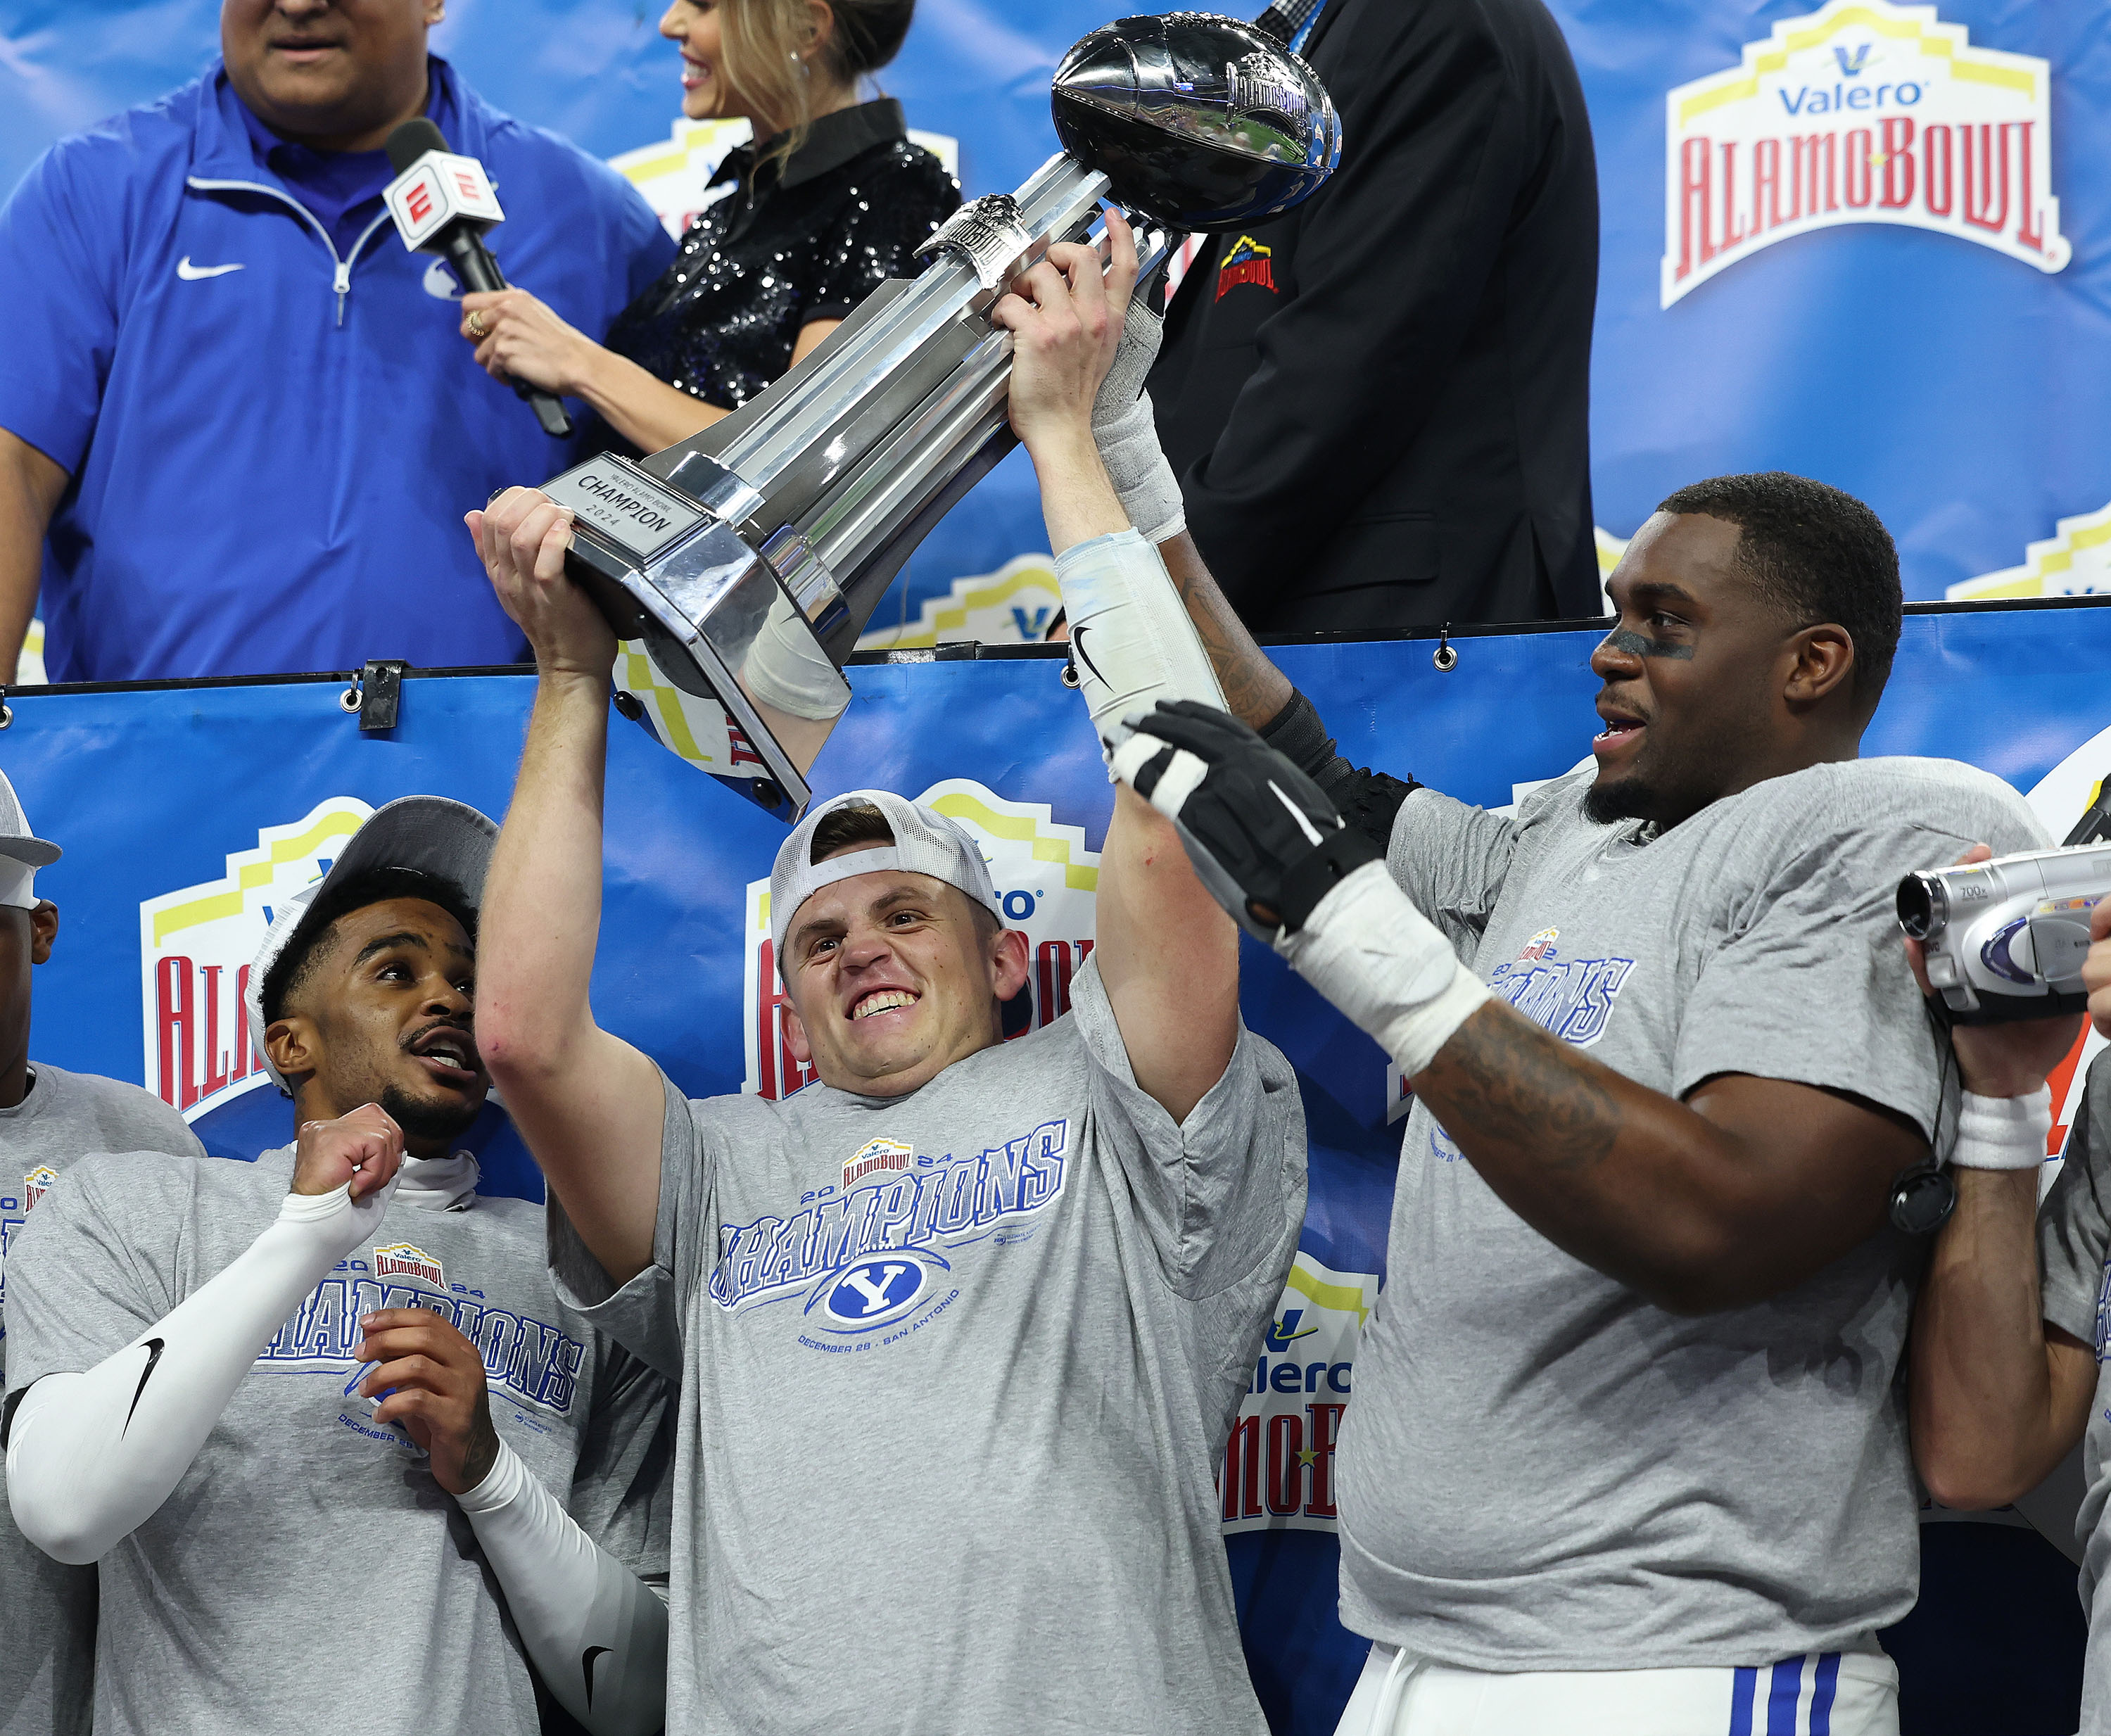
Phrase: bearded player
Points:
(962, 1327)
(231, 1383)
(1668, 1063)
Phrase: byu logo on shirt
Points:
(875, 1292)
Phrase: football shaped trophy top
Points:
(748, 558)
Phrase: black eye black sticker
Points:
(1627, 640)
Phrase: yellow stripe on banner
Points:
(2032, 585)
(1078, 876)
(1343, 1298)
(2008, 78)
(1034, 577)
(1701, 101)
(1933, 42)
(253, 875)
(674, 157)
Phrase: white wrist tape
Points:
(2003, 1133)
(786, 667)
(1131, 641)
(1126, 432)
(596, 1632)
(1386, 966)
(1137, 465)
(92, 1456)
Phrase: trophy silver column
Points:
(817, 490)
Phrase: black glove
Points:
(1261, 836)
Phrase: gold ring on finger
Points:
(477, 329)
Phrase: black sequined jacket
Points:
(777, 250)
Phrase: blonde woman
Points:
(799, 226)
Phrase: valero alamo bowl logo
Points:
(195, 946)
(1861, 113)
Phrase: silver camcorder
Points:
(2005, 938)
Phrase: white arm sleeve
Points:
(91, 1457)
(598, 1632)
(1131, 643)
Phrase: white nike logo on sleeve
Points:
(191, 273)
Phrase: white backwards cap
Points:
(925, 842)
(428, 834)
(22, 855)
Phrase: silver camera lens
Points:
(1923, 904)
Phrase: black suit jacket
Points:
(1378, 404)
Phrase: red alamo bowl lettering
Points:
(1864, 112)
(1248, 263)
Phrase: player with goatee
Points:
(237, 1392)
(1668, 1063)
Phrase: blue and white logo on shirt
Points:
(875, 1293)
(872, 1254)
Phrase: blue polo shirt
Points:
(273, 438)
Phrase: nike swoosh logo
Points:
(587, 1663)
(153, 1354)
(191, 273)
(1077, 645)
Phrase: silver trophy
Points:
(792, 515)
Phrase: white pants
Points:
(1832, 1693)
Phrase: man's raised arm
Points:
(2002, 1380)
(589, 1105)
(1248, 686)
(1741, 1188)
(1167, 955)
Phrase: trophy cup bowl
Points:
(764, 542)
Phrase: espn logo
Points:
(439, 189)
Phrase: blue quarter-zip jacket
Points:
(272, 444)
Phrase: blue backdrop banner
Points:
(187, 814)
(1855, 239)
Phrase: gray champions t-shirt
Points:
(1541, 1470)
(958, 1369)
(304, 1543)
(48, 1611)
(2074, 1244)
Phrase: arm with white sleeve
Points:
(1168, 958)
(597, 1634)
(596, 1631)
(1247, 684)
(92, 1455)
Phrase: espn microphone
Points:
(443, 203)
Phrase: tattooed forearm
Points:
(1503, 1078)
(1255, 689)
